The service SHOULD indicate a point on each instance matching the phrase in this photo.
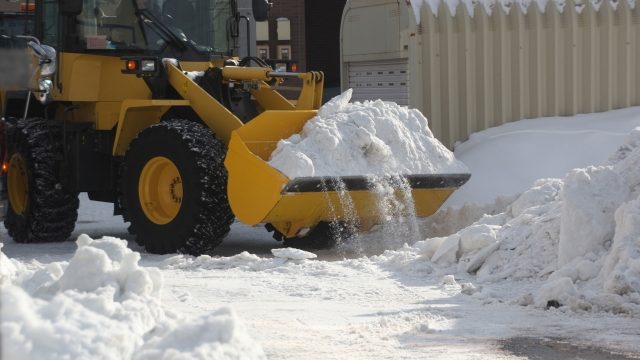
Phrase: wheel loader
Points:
(145, 104)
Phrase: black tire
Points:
(125, 215)
(325, 235)
(132, 231)
(51, 210)
(204, 217)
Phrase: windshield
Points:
(152, 24)
(16, 24)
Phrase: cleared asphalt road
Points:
(559, 349)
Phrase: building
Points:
(306, 32)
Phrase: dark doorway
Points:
(323, 20)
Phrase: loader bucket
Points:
(258, 193)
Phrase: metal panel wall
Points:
(384, 79)
(471, 73)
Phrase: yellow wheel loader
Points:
(144, 104)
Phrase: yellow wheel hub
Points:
(160, 190)
(18, 184)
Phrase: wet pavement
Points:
(560, 349)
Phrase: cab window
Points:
(116, 24)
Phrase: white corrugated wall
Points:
(482, 71)
(468, 73)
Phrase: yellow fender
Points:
(137, 115)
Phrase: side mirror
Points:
(261, 10)
(71, 7)
(37, 48)
(47, 56)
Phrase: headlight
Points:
(148, 65)
(45, 86)
(141, 66)
(44, 95)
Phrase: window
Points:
(50, 22)
(16, 24)
(284, 29)
(151, 24)
(105, 24)
(263, 51)
(88, 25)
(284, 52)
(262, 31)
(109, 24)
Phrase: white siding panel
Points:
(468, 73)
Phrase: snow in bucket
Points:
(377, 139)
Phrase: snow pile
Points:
(244, 261)
(293, 254)
(370, 138)
(590, 196)
(215, 336)
(451, 219)
(578, 238)
(506, 160)
(102, 304)
(10, 269)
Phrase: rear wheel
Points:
(174, 188)
(39, 208)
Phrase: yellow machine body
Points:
(257, 192)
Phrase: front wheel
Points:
(174, 188)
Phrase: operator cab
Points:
(202, 25)
(191, 30)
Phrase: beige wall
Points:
(482, 71)
(470, 73)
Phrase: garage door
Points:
(384, 79)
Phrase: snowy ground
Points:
(400, 304)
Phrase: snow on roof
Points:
(506, 5)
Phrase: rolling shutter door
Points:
(384, 79)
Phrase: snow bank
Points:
(578, 239)
(590, 196)
(9, 268)
(215, 336)
(242, 261)
(370, 138)
(102, 304)
(506, 160)
(293, 254)
(285, 259)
